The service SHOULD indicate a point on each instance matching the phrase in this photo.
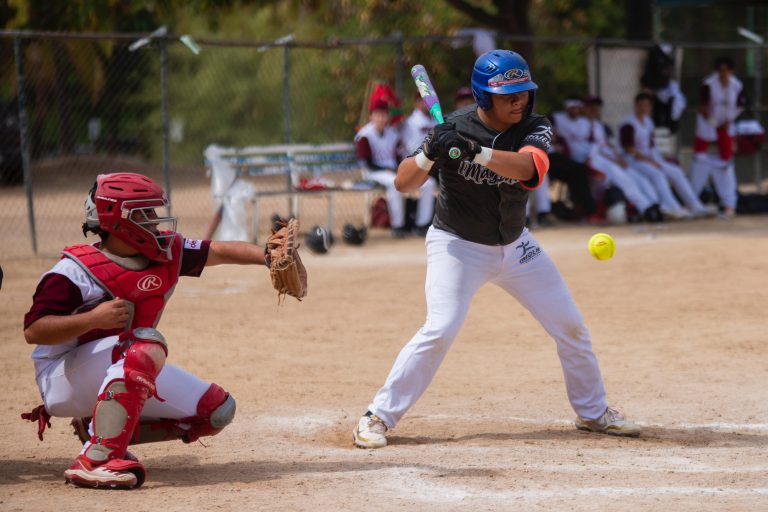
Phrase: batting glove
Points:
(451, 145)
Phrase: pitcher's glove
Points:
(289, 276)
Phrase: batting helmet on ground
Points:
(319, 240)
(501, 72)
(353, 235)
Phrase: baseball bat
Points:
(429, 95)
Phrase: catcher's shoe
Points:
(611, 422)
(370, 432)
(114, 474)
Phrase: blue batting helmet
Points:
(501, 72)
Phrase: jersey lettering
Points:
(541, 137)
(476, 173)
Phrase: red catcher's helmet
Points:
(126, 206)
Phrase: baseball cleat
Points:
(115, 474)
(370, 432)
(611, 422)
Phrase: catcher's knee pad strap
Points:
(215, 410)
(138, 335)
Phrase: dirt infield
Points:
(678, 321)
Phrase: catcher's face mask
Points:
(134, 209)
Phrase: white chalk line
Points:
(758, 427)
(413, 484)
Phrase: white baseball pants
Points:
(425, 207)
(682, 186)
(667, 200)
(615, 175)
(70, 384)
(722, 172)
(456, 269)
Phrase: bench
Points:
(296, 171)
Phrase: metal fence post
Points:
(18, 56)
(286, 94)
(399, 66)
(287, 119)
(757, 161)
(165, 119)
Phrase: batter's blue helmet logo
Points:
(501, 72)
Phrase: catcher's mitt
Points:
(289, 277)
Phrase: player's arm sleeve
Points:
(540, 165)
(193, 257)
(55, 295)
(537, 143)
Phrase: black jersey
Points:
(475, 203)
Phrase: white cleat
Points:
(611, 422)
(114, 474)
(370, 432)
(679, 214)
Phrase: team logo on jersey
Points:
(476, 173)
(529, 251)
(149, 283)
(541, 137)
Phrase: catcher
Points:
(99, 358)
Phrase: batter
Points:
(478, 235)
(99, 357)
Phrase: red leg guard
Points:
(215, 411)
(144, 354)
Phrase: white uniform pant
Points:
(425, 208)
(621, 178)
(682, 186)
(70, 384)
(540, 198)
(667, 200)
(456, 269)
(722, 172)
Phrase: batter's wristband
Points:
(424, 163)
(484, 156)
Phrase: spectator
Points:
(606, 160)
(567, 169)
(416, 126)
(636, 136)
(669, 100)
(377, 145)
(721, 100)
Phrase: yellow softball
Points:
(602, 246)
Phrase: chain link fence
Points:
(76, 105)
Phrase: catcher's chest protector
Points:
(147, 289)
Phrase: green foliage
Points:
(235, 96)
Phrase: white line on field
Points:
(758, 427)
(416, 485)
